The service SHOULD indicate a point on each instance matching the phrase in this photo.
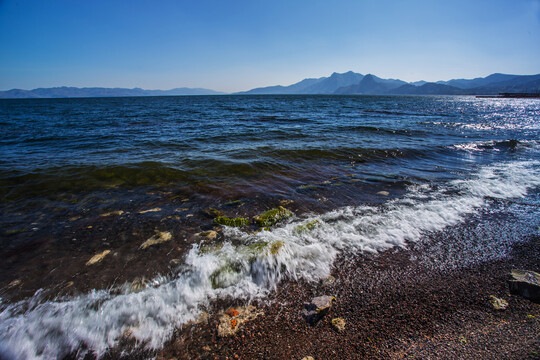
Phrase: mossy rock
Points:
(235, 203)
(275, 246)
(212, 213)
(233, 222)
(308, 187)
(207, 249)
(258, 247)
(307, 227)
(272, 216)
(225, 276)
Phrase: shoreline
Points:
(394, 308)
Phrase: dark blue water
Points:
(360, 173)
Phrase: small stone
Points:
(329, 280)
(174, 262)
(338, 324)
(308, 358)
(206, 348)
(158, 238)
(317, 308)
(98, 257)
(14, 283)
(383, 193)
(498, 304)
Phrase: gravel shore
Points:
(395, 307)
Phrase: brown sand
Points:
(394, 306)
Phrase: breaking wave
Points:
(303, 248)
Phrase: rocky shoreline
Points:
(393, 307)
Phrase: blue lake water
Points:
(359, 173)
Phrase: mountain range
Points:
(349, 83)
(69, 92)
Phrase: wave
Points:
(304, 248)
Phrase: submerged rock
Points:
(275, 246)
(212, 213)
(526, 284)
(317, 308)
(98, 257)
(149, 210)
(210, 234)
(14, 283)
(307, 227)
(232, 320)
(234, 203)
(138, 284)
(497, 303)
(158, 238)
(272, 216)
(118, 212)
(233, 222)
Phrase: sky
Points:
(238, 45)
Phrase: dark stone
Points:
(526, 284)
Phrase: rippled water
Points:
(360, 173)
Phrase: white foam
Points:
(301, 249)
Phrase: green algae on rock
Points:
(226, 276)
(272, 216)
(233, 222)
(310, 225)
(275, 246)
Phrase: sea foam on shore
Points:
(304, 248)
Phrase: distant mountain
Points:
(371, 84)
(518, 83)
(352, 83)
(477, 82)
(297, 88)
(70, 92)
(324, 85)
(428, 89)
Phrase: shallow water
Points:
(360, 173)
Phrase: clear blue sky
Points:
(232, 45)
